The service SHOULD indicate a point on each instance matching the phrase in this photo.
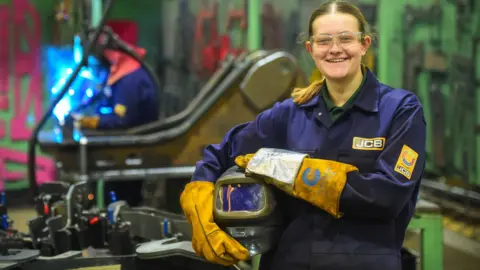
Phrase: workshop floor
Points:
(460, 252)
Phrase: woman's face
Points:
(336, 45)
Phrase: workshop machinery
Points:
(430, 48)
(70, 232)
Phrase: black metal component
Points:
(120, 239)
(455, 193)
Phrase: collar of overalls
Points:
(367, 98)
(124, 64)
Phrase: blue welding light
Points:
(57, 135)
(89, 92)
(77, 135)
(77, 50)
(60, 63)
(106, 110)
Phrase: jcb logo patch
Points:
(406, 162)
(368, 143)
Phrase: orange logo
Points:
(406, 162)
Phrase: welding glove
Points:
(317, 181)
(208, 240)
(90, 122)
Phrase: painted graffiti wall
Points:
(21, 92)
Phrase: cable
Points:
(122, 46)
(31, 170)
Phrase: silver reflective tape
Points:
(279, 164)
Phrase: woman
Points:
(366, 149)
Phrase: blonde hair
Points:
(301, 95)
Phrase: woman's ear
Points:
(367, 41)
(308, 47)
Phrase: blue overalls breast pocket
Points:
(364, 160)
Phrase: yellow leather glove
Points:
(90, 122)
(208, 240)
(317, 181)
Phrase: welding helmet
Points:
(245, 208)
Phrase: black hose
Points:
(123, 47)
(31, 170)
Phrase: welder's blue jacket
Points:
(134, 100)
(377, 201)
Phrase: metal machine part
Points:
(245, 208)
(283, 67)
(19, 255)
(165, 247)
(173, 253)
(153, 224)
(75, 199)
(113, 210)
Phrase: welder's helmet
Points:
(245, 208)
(108, 48)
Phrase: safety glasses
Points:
(344, 40)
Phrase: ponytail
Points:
(302, 95)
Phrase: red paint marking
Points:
(5, 23)
(20, 24)
(205, 46)
(2, 129)
(211, 48)
(4, 59)
(27, 63)
(45, 169)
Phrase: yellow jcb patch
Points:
(377, 144)
(120, 110)
(406, 162)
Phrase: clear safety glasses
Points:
(343, 40)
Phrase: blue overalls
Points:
(137, 95)
(382, 133)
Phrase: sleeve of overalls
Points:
(399, 169)
(267, 130)
(125, 100)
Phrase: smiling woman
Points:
(344, 157)
(338, 39)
